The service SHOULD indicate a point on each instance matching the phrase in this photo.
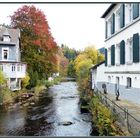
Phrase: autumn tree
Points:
(90, 56)
(38, 47)
(62, 63)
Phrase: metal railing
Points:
(122, 114)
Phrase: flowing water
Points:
(57, 113)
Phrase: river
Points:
(57, 113)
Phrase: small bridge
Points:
(69, 79)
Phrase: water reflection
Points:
(49, 116)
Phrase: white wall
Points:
(100, 73)
(94, 78)
(126, 33)
(7, 70)
(123, 79)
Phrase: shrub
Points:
(6, 96)
(25, 81)
(102, 117)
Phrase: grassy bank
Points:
(8, 97)
(102, 117)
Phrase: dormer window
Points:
(6, 36)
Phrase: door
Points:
(117, 84)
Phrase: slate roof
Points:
(13, 33)
(108, 10)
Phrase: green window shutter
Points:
(122, 52)
(106, 29)
(113, 55)
(136, 47)
(105, 57)
(122, 16)
(135, 10)
(113, 24)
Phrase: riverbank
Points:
(104, 121)
(9, 98)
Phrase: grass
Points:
(7, 96)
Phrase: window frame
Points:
(5, 49)
(13, 67)
(128, 82)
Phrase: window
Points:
(130, 12)
(136, 53)
(105, 57)
(129, 82)
(129, 51)
(109, 27)
(122, 52)
(13, 67)
(18, 68)
(109, 79)
(113, 55)
(117, 54)
(113, 23)
(135, 10)
(5, 52)
(117, 21)
(122, 15)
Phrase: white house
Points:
(97, 76)
(122, 53)
(10, 63)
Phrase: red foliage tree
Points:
(37, 44)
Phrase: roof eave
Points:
(97, 65)
(108, 10)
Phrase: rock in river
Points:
(32, 103)
(65, 123)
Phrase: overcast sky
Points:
(76, 25)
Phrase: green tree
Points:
(2, 79)
(69, 53)
(25, 81)
(71, 70)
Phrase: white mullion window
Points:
(117, 21)
(13, 68)
(129, 56)
(130, 12)
(109, 28)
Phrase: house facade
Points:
(10, 58)
(122, 50)
(97, 76)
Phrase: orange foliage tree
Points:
(38, 47)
